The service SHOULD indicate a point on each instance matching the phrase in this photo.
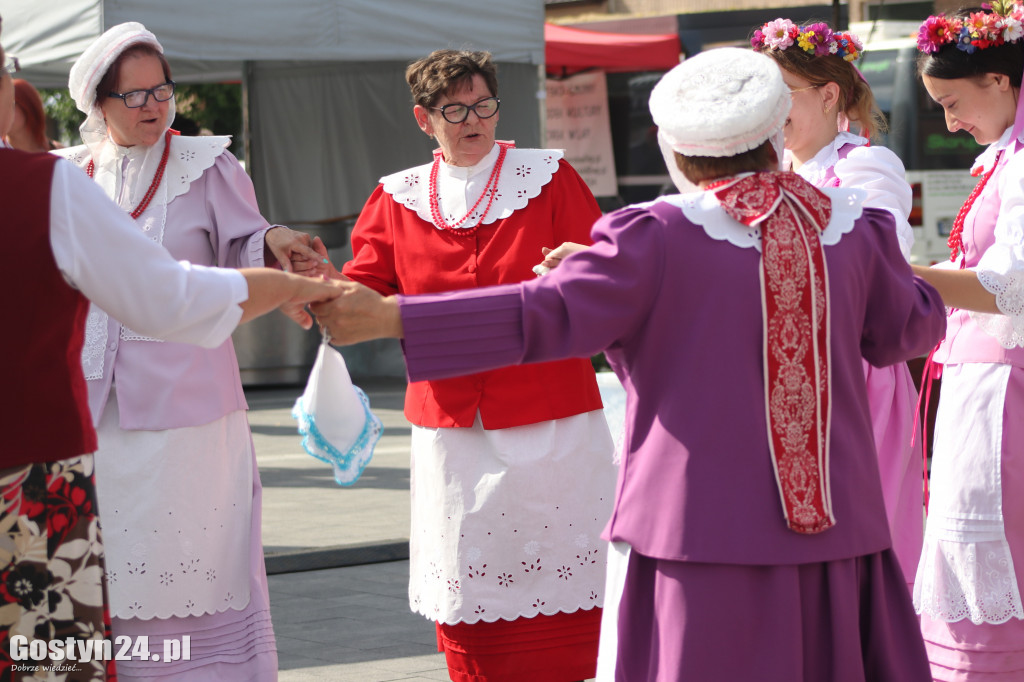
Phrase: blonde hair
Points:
(855, 97)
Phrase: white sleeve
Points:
(135, 280)
(880, 172)
(1001, 268)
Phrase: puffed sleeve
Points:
(1001, 268)
(373, 245)
(237, 227)
(879, 172)
(576, 210)
(593, 301)
(905, 316)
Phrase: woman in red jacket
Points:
(512, 471)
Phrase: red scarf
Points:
(794, 299)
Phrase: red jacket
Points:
(395, 251)
(46, 417)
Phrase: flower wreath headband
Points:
(974, 32)
(816, 40)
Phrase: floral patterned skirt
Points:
(51, 567)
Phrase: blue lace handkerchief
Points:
(334, 417)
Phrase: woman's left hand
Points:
(296, 251)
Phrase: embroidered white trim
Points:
(1007, 328)
(702, 208)
(95, 345)
(523, 175)
(972, 580)
(189, 158)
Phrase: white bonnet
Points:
(720, 102)
(98, 57)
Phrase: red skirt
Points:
(558, 648)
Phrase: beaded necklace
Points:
(490, 189)
(955, 241)
(144, 204)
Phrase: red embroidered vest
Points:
(46, 415)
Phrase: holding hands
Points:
(357, 314)
(296, 251)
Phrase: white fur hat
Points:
(721, 102)
(90, 68)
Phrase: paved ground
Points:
(337, 557)
(350, 621)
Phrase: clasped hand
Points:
(357, 314)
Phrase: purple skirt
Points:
(849, 620)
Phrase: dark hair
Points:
(444, 72)
(950, 62)
(108, 83)
(855, 97)
(27, 100)
(702, 168)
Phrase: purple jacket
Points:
(678, 314)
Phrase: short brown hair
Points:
(855, 97)
(699, 169)
(108, 83)
(446, 71)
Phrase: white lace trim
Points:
(1008, 328)
(189, 158)
(702, 208)
(523, 175)
(973, 580)
(95, 344)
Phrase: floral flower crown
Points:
(815, 39)
(975, 32)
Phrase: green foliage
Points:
(64, 117)
(206, 107)
(213, 107)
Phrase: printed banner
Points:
(577, 121)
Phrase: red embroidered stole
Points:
(794, 299)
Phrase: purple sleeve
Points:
(237, 227)
(592, 301)
(905, 315)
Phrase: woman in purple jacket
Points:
(749, 534)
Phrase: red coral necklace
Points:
(956, 240)
(490, 189)
(148, 197)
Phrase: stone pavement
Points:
(337, 557)
(350, 619)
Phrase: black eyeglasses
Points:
(457, 113)
(12, 66)
(138, 98)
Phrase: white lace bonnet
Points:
(90, 68)
(720, 102)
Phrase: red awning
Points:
(573, 49)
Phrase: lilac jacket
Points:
(678, 314)
(163, 385)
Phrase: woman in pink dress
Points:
(972, 566)
(828, 94)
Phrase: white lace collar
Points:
(703, 208)
(815, 170)
(189, 158)
(523, 174)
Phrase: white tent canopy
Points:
(328, 109)
(209, 39)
